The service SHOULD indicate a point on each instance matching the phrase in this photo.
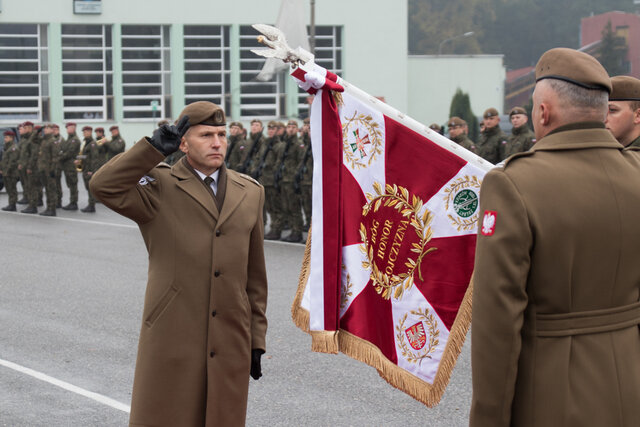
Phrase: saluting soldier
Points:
(115, 145)
(9, 169)
(555, 337)
(266, 171)
(92, 159)
(305, 173)
(290, 194)
(623, 118)
(492, 138)
(204, 322)
(457, 133)
(47, 161)
(522, 138)
(69, 151)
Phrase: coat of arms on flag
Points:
(388, 263)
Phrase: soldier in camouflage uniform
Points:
(92, 158)
(290, 193)
(115, 146)
(265, 173)
(305, 174)
(47, 163)
(69, 151)
(241, 146)
(457, 133)
(57, 169)
(28, 161)
(22, 171)
(256, 138)
(522, 137)
(623, 118)
(491, 138)
(9, 169)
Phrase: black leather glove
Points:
(166, 139)
(52, 174)
(256, 368)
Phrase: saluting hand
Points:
(166, 139)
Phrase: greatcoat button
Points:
(212, 354)
(217, 273)
(213, 313)
(218, 232)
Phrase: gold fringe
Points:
(324, 341)
(299, 315)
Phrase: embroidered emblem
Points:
(462, 196)
(395, 231)
(355, 147)
(489, 223)
(146, 180)
(423, 341)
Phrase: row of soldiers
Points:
(282, 163)
(494, 145)
(40, 157)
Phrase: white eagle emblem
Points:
(489, 223)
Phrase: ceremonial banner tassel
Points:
(386, 277)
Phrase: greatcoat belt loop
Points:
(587, 322)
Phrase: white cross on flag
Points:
(386, 276)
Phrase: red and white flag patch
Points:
(489, 223)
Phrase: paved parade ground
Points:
(71, 295)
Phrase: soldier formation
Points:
(39, 156)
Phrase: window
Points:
(24, 90)
(146, 67)
(328, 54)
(257, 99)
(87, 72)
(206, 65)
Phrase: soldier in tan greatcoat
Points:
(204, 321)
(555, 338)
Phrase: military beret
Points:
(307, 121)
(114, 127)
(70, 124)
(625, 88)
(456, 121)
(27, 123)
(99, 130)
(281, 124)
(38, 127)
(490, 112)
(435, 126)
(9, 133)
(237, 124)
(55, 126)
(517, 110)
(87, 128)
(574, 67)
(203, 113)
(272, 124)
(292, 123)
(256, 121)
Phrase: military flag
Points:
(388, 264)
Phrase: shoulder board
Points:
(163, 165)
(247, 177)
(633, 148)
(517, 156)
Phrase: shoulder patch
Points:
(146, 180)
(248, 178)
(513, 157)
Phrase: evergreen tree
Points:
(461, 107)
(613, 52)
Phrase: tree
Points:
(613, 52)
(461, 107)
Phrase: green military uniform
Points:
(69, 151)
(29, 160)
(239, 151)
(266, 175)
(464, 141)
(113, 147)
(48, 156)
(23, 157)
(9, 170)
(635, 143)
(305, 173)
(521, 139)
(91, 162)
(490, 143)
(252, 160)
(289, 162)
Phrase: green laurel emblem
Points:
(465, 203)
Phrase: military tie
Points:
(208, 180)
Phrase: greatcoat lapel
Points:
(235, 192)
(191, 184)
